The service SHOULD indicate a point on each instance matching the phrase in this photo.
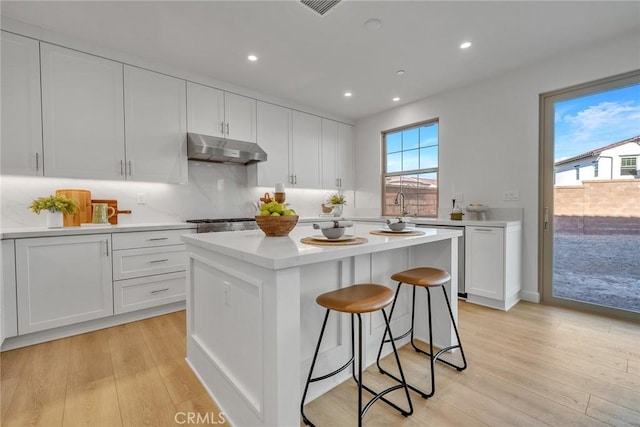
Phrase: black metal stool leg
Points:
(313, 364)
(384, 336)
(455, 328)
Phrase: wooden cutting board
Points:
(114, 204)
(83, 197)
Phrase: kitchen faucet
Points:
(400, 193)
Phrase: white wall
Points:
(489, 136)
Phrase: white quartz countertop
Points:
(284, 252)
(21, 233)
(445, 221)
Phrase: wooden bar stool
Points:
(358, 299)
(427, 278)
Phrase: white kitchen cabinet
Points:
(155, 126)
(21, 106)
(306, 132)
(63, 280)
(493, 266)
(214, 112)
(345, 157)
(149, 269)
(82, 115)
(330, 154)
(8, 309)
(274, 135)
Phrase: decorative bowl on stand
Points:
(274, 226)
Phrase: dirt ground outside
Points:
(599, 269)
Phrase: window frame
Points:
(384, 175)
(632, 169)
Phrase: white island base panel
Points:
(252, 330)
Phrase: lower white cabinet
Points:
(493, 266)
(63, 280)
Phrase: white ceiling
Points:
(313, 60)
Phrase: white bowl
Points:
(397, 226)
(333, 233)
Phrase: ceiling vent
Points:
(321, 7)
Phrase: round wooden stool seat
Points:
(423, 276)
(363, 298)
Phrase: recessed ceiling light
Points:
(348, 94)
(465, 45)
(373, 24)
(252, 58)
(396, 99)
(400, 72)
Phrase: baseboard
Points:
(530, 296)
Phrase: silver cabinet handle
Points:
(130, 168)
(222, 128)
(337, 182)
(157, 238)
(295, 179)
(158, 260)
(106, 245)
(227, 128)
(37, 162)
(487, 230)
(159, 290)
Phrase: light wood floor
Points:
(534, 365)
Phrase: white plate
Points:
(344, 237)
(406, 230)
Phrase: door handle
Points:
(130, 168)
(106, 245)
(157, 238)
(159, 290)
(222, 128)
(546, 218)
(227, 128)
(37, 162)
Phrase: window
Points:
(410, 173)
(595, 169)
(628, 165)
(577, 172)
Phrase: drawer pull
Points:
(158, 260)
(159, 290)
(488, 230)
(157, 238)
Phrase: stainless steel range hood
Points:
(220, 150)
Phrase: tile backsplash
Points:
(214, 191)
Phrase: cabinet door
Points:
(240, 117)
(329, 154)
(9, 322)
(63, 280)
(305, 147)
(156, 126)
(484, 261)
(273, 137)
(345, 156)
(21, 120)
(205, 110)
(82, 115)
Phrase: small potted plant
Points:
(56, 207)
(338, 201)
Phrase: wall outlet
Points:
(511, 195)
(141, 198)
(459, 197)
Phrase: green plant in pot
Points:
(55, 207)
(338, 201)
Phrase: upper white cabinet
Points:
(217, 113)
(21, 120)
(306, 131)
(345, 157)
(274, 129)
(156, 126)
(63, 280)
(82, 115)
(330, 154)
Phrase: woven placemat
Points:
(354, 241)
(391, 233)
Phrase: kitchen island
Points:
(252, 320)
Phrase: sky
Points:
(590, 122)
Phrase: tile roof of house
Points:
(597, 151)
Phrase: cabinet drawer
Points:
(148, 239)
(132, 263)
(145, 292)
